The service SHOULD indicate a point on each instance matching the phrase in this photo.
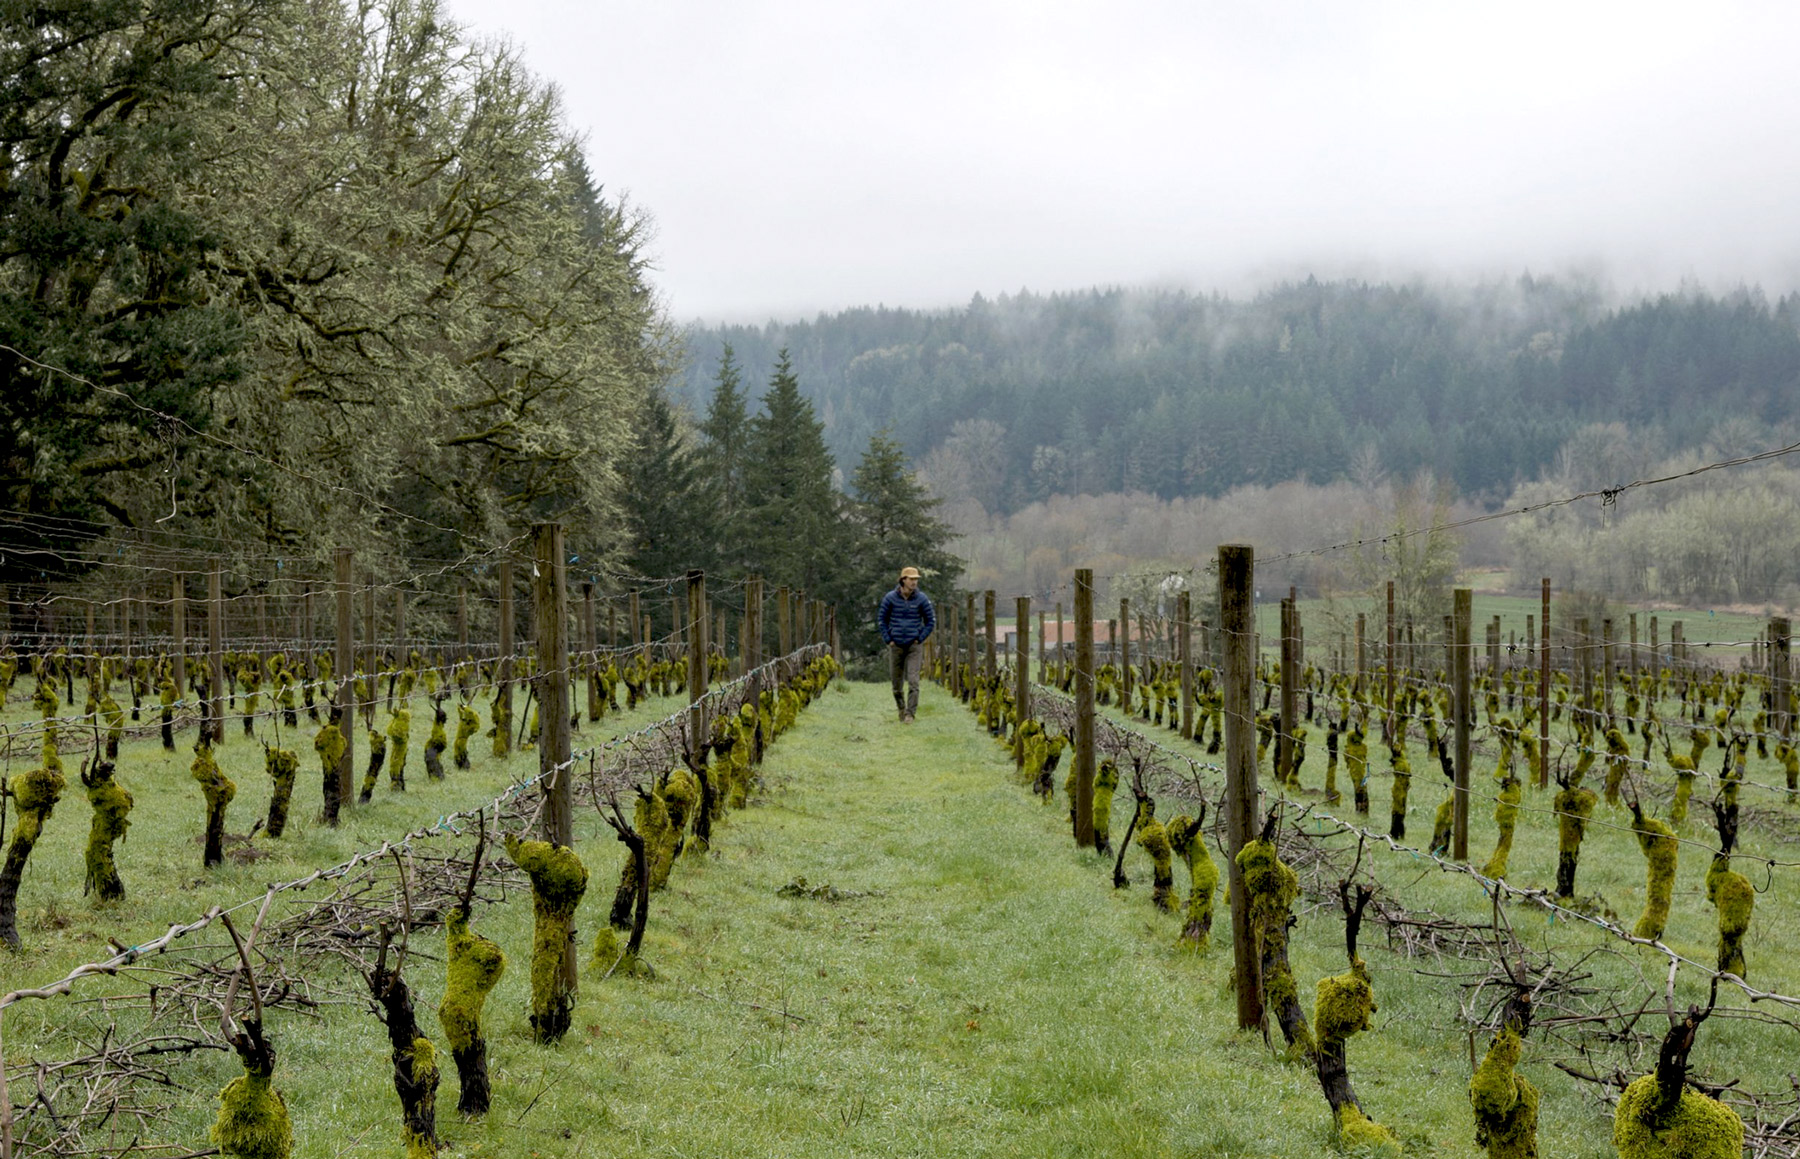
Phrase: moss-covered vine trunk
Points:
(1504, 1101)
(329, 744)
(283, 765)
(475, 966)
(112, 810)
(436, 744)
(1402, 767)
(1574, 805)
(253, 1120)
(377, 758)
(34, 797)
(1272, 888)
(415, 1064)
(558, 879)
(218, 790)
(1659, 846)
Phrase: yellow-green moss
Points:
(253, 1120)
(475, 966)
(282, 766)
(1506, 817)
(502, 727)
(609, 956)
(1684, 786)
(651, 820)
(1343, 1004)
(1296, 754)
(681, 798)
(1154, 840)
(1271, 887)
(329, 744)
(1443, 824)
(1402, 766)
(435, 745)
(1356, 765)
(1789, 757)
(424, 1069)
(399, 732)
(1618, 760)
(1736, 899)
(1189, 844)
(377, 755)
(468, 723)
(1356, 1130)
(742, 731)
(1699, 1128)
(1505, 1102)
(115, 723)
(1657, 841)
(1573, 808)
(558, 880)
(1106, 780)
(35, 794)
(112, 809)
(218, 789)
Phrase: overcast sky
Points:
(800, 157)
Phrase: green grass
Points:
(990, 995)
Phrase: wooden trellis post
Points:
(503, 667)
(1284, 734)
(1084, 708)
(1022, 666)
(1237, 569)
(1387, 721)
(1124, 638)
(215, 651)
(1543, 658)
(1464, 613)
(990, 668)
(345, 671)
(178, 633)
(1184, 641)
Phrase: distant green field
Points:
(1713, 636)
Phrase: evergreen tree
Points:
(103, 265)
(895, 525)
(665, 497)
(724, 430)
(791, 529)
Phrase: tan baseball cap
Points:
(909, 573)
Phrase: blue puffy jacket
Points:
(905, 621)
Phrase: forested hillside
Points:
(1013, 400)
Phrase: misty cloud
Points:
(808, 156)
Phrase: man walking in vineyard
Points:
(907, 620)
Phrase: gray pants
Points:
(904, 662)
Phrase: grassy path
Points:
(991, 1000)
(988, 996)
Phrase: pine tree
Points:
(665, 496)
(791, 529)
(895, 525)
(725, 430)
